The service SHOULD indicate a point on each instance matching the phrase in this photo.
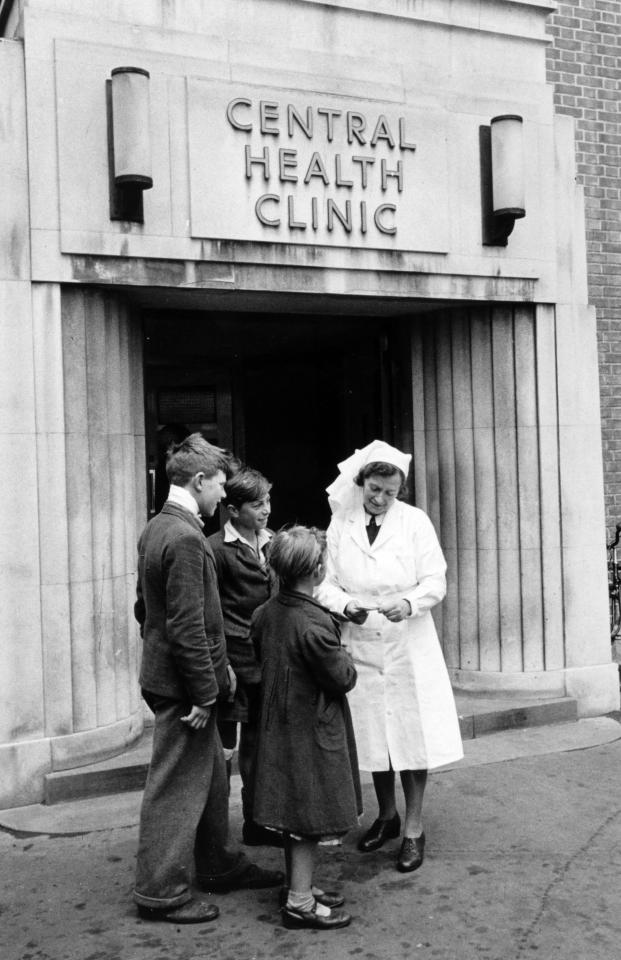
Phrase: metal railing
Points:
(614, 585)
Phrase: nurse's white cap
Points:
(344, 493)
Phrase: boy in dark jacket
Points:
(307, 782)
(245, 581)
(184, 815)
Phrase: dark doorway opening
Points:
(290, 395)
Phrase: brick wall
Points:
(584, 63)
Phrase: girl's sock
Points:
(306, 901)
(321, 910)
(303, 900)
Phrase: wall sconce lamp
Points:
(502, 177)
(129, 142)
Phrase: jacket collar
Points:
(175, 510)
(232, 535)
(183, 498)
(292, 598)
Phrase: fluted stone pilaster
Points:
(498, 414)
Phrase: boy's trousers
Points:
(184, 819)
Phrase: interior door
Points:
(179, 401)
(291, 396)
(305, 411)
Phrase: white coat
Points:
(402, 705)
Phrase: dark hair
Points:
(194, 455)
(245, 486)
(295, 553)
(379, 468)
(233, 463)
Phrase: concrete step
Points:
(124, 772)
(110, 812)
(478, 716)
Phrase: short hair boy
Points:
(245, 581)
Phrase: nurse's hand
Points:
(354, 612)
(395, 610)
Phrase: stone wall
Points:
(584, 63)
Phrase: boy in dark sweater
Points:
(245, 582)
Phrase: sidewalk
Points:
(523, 859)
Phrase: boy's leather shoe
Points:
(380, 831)
(254, 835)
(328, 898)
(412, 853)
(252, 878)
(194, 911)
(310, 920)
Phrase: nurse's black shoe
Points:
(379, 833)
(412, 853)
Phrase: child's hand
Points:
(197, 717)
(355, 612)
(232, 683)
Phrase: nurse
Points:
(385, 572)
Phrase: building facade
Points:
(295, 226)
(584, 64)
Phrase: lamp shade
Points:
(507, 142)
(131, 127)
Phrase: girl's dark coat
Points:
(307, 780)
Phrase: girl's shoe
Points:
(329, 898)
(311, 920)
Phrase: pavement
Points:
(523, 860)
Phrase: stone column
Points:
(24, 754)
(101, 397)
(73, 499)
(508, 465)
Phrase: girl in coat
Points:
(307, 783)
(385, 572)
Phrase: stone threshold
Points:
(478, 716)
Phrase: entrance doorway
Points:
(290, 395)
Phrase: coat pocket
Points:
(329, 727)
